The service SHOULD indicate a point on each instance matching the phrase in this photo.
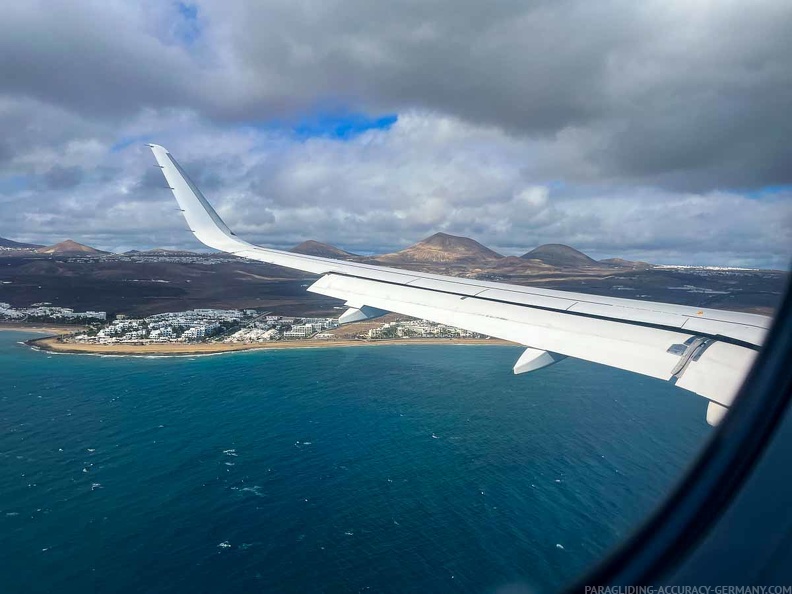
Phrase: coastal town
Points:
(207, 325)
(46, 312)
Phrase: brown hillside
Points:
(69, 247)
(443, 248)
(322, 250)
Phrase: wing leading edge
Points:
(705, 351)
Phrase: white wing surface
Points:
(706, 351)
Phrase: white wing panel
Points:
(532, 300)
(715, 374)
(617, 312)
(750, 334)
(447, 286)
(636, 348)
(719, 372)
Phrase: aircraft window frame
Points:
(712, 483)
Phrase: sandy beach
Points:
(54, 344)
(50, 329)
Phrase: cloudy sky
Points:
(647, 130)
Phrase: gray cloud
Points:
(95, 58)
(685, 95)
(61, 178)
(621, 128)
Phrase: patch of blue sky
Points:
(770, 191)
(189, 29)
(336, 126)
(127, 141)
(11, 184)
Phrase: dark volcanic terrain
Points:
(560, 256)
(142, 283)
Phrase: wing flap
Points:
(719, 372)
(644, 350)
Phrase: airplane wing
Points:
(706, 351)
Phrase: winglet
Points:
(202, 219)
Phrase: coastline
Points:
(53, 344)
(49, 329)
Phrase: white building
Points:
(300, 331)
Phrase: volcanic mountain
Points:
(445, 249)
(70, 247)
(560, 256)
(16, 245)
(323, 250)
(622, 263)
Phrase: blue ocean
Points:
(373, 469)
